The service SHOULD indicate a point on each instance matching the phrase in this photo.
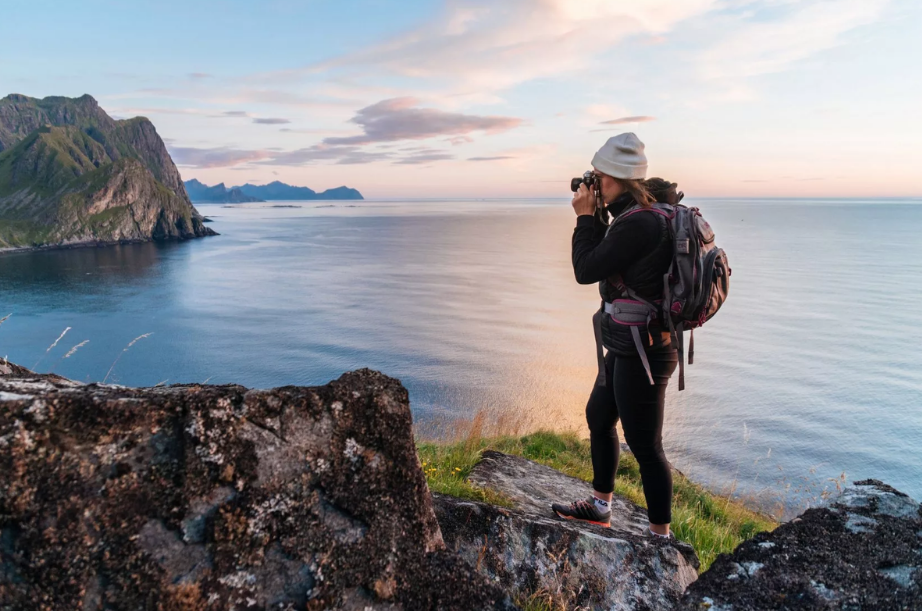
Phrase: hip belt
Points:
(630, 313)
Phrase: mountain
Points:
(279, 191)
(218, 194)
(70, 174)
(274, 191)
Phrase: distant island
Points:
(71, 175)
(218, 194)
(274, 191)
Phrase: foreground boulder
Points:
(862, 552)
(218, 498)
(529, 551)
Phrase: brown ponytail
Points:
(638, 189)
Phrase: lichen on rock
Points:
(863, 551)
(219, 497)
(528, 550)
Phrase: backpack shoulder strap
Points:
(666, 210)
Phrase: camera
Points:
(588, 178)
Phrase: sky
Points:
(497, 98)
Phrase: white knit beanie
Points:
(622, 157)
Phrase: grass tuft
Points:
(711, 523)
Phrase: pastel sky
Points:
(497, 98)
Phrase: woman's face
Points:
(609, 187)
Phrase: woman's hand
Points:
(584, 201)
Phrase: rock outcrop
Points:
(194, 497)
(864, 551)
(70, 175)
(527, 549)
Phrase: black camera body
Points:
(591, 181)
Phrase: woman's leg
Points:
(602, 416)
(641, 408)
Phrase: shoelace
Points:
(581, 505)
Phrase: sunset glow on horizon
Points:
(470, 98)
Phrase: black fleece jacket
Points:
(597, 256)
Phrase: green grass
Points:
(18, 233)
(712, 524)
(99, 220)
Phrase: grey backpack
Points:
(694, 288)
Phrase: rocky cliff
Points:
(70, 174)
(196, 497)
(220, 498)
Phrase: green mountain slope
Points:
(70, 174)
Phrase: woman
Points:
(633, 254)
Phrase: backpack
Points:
(695, 286)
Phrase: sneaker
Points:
(583, 510)
(651, 535)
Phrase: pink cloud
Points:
(401, 119)
(624, 120)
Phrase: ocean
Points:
(810, 375)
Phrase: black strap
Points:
(677, 339)
(630, 293)
(681, 348)
(691, 348)
(597, 330)
(635, 332)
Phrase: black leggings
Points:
(629, 395)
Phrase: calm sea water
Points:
(812, 368)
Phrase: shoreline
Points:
(13, 250)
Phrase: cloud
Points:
(497, 158)
(271, 121)
(347, 155)
(135, 111)
(282, 97)
(623, 120)
(400, 119)
(235, 113)
(805, 28)
(459, 140)
(309, 130)
(226, 157)
(199, 75)
(214, 157)
(425, 158)
(484, 45)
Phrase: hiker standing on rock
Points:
(629, 260)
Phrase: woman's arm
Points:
(596, 258)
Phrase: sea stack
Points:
(72, 175)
